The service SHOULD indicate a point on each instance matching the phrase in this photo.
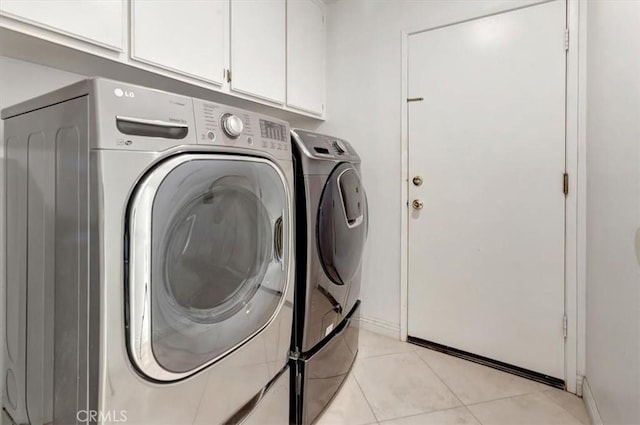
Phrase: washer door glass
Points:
(218, 242)
(342, 224)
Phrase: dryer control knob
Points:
(339, 147)
(232, 125)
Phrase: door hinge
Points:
(566, 39)
(565, 184)
(564, 326)
(227, 73)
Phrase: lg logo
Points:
(125, 93)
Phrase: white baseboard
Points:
(590, 403)
(579, 385)
(378, 326)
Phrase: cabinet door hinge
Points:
(565, 184)
(564, 326)
(566, 39)
(227, 73)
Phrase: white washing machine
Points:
(149, 259)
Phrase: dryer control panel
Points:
(322, 146)
(222, 125)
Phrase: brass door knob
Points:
(417, 181)
(417, 204)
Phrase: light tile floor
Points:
(395, 383)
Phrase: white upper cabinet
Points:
(269, 51)
(258, 43)
(96, 21)
(184, 36)
(305, 55)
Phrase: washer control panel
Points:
(222, 125)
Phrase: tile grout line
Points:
(377, 356)
(440, 378)
(386, 338)
(523, 395)
(355, 378)
(535, 391)
(414, 350)
(561, 406)
(464, 405)
(500, 399)
(445, 384)
(385, 354)
(473, 415)
(452, 392)
(542, 391)
(520, 395)
(417, 414)
(425, 413)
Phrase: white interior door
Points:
(486, 252)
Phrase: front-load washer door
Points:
(342, 224)
(208, 248)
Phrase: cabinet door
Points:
(258, 31)
(305, 55)
(185, 36)
(96, 21)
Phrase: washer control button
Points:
(211, 136)
(232, 125)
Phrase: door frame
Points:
(575, 203)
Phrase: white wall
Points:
(363, 106)
(613, 209)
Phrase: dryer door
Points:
(209, 248)
(342, 224)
